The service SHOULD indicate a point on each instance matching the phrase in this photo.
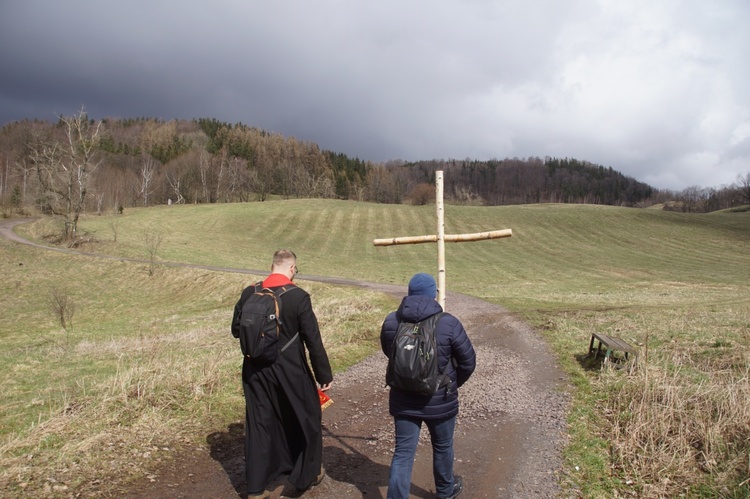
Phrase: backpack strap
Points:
(445, 379)
(289, 343)
(278, 292)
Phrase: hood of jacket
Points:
(417, 308)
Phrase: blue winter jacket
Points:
(456, 358)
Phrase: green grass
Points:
(558, 248)
(676, 285)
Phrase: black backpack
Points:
(260, 325)
(413, 363)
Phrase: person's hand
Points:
(325, 387)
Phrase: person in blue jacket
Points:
(438, 412)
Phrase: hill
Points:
(146, 162)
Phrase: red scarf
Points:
(275, 280)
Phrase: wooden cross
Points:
(441, 237)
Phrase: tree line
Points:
(78, 165)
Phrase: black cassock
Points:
(283, 432)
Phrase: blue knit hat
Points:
(423, 284)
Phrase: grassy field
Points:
(677, 285)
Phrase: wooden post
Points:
(441, 237)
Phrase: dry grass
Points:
(165, 390)
(149, 367)
(112, 425)
(678, 423)
(681, 425)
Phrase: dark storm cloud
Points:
(656, 90)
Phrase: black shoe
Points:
(458, 487)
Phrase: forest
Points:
(79, 165)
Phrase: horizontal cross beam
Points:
(451, 238)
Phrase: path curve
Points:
(509, 436)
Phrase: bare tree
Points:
(4, 178)
(152, 240)
(99, 202)
(261, 178)
(113, 226)
(211, 176)
(692, 198)
(465, 195)
(147, 177)
(743, 185)
(62, 306)
(236, 185)
(422, 194)
(382, 187)
(64, 170)
(175, 183)
(220, 175)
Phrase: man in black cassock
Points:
(283, 433)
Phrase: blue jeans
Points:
(407, 438)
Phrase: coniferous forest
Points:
(80, 165)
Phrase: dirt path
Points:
(509, 435)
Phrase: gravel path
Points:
(509, 435)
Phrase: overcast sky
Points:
(656, 89)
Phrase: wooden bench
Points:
(610, 344)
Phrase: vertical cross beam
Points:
(441, 237)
